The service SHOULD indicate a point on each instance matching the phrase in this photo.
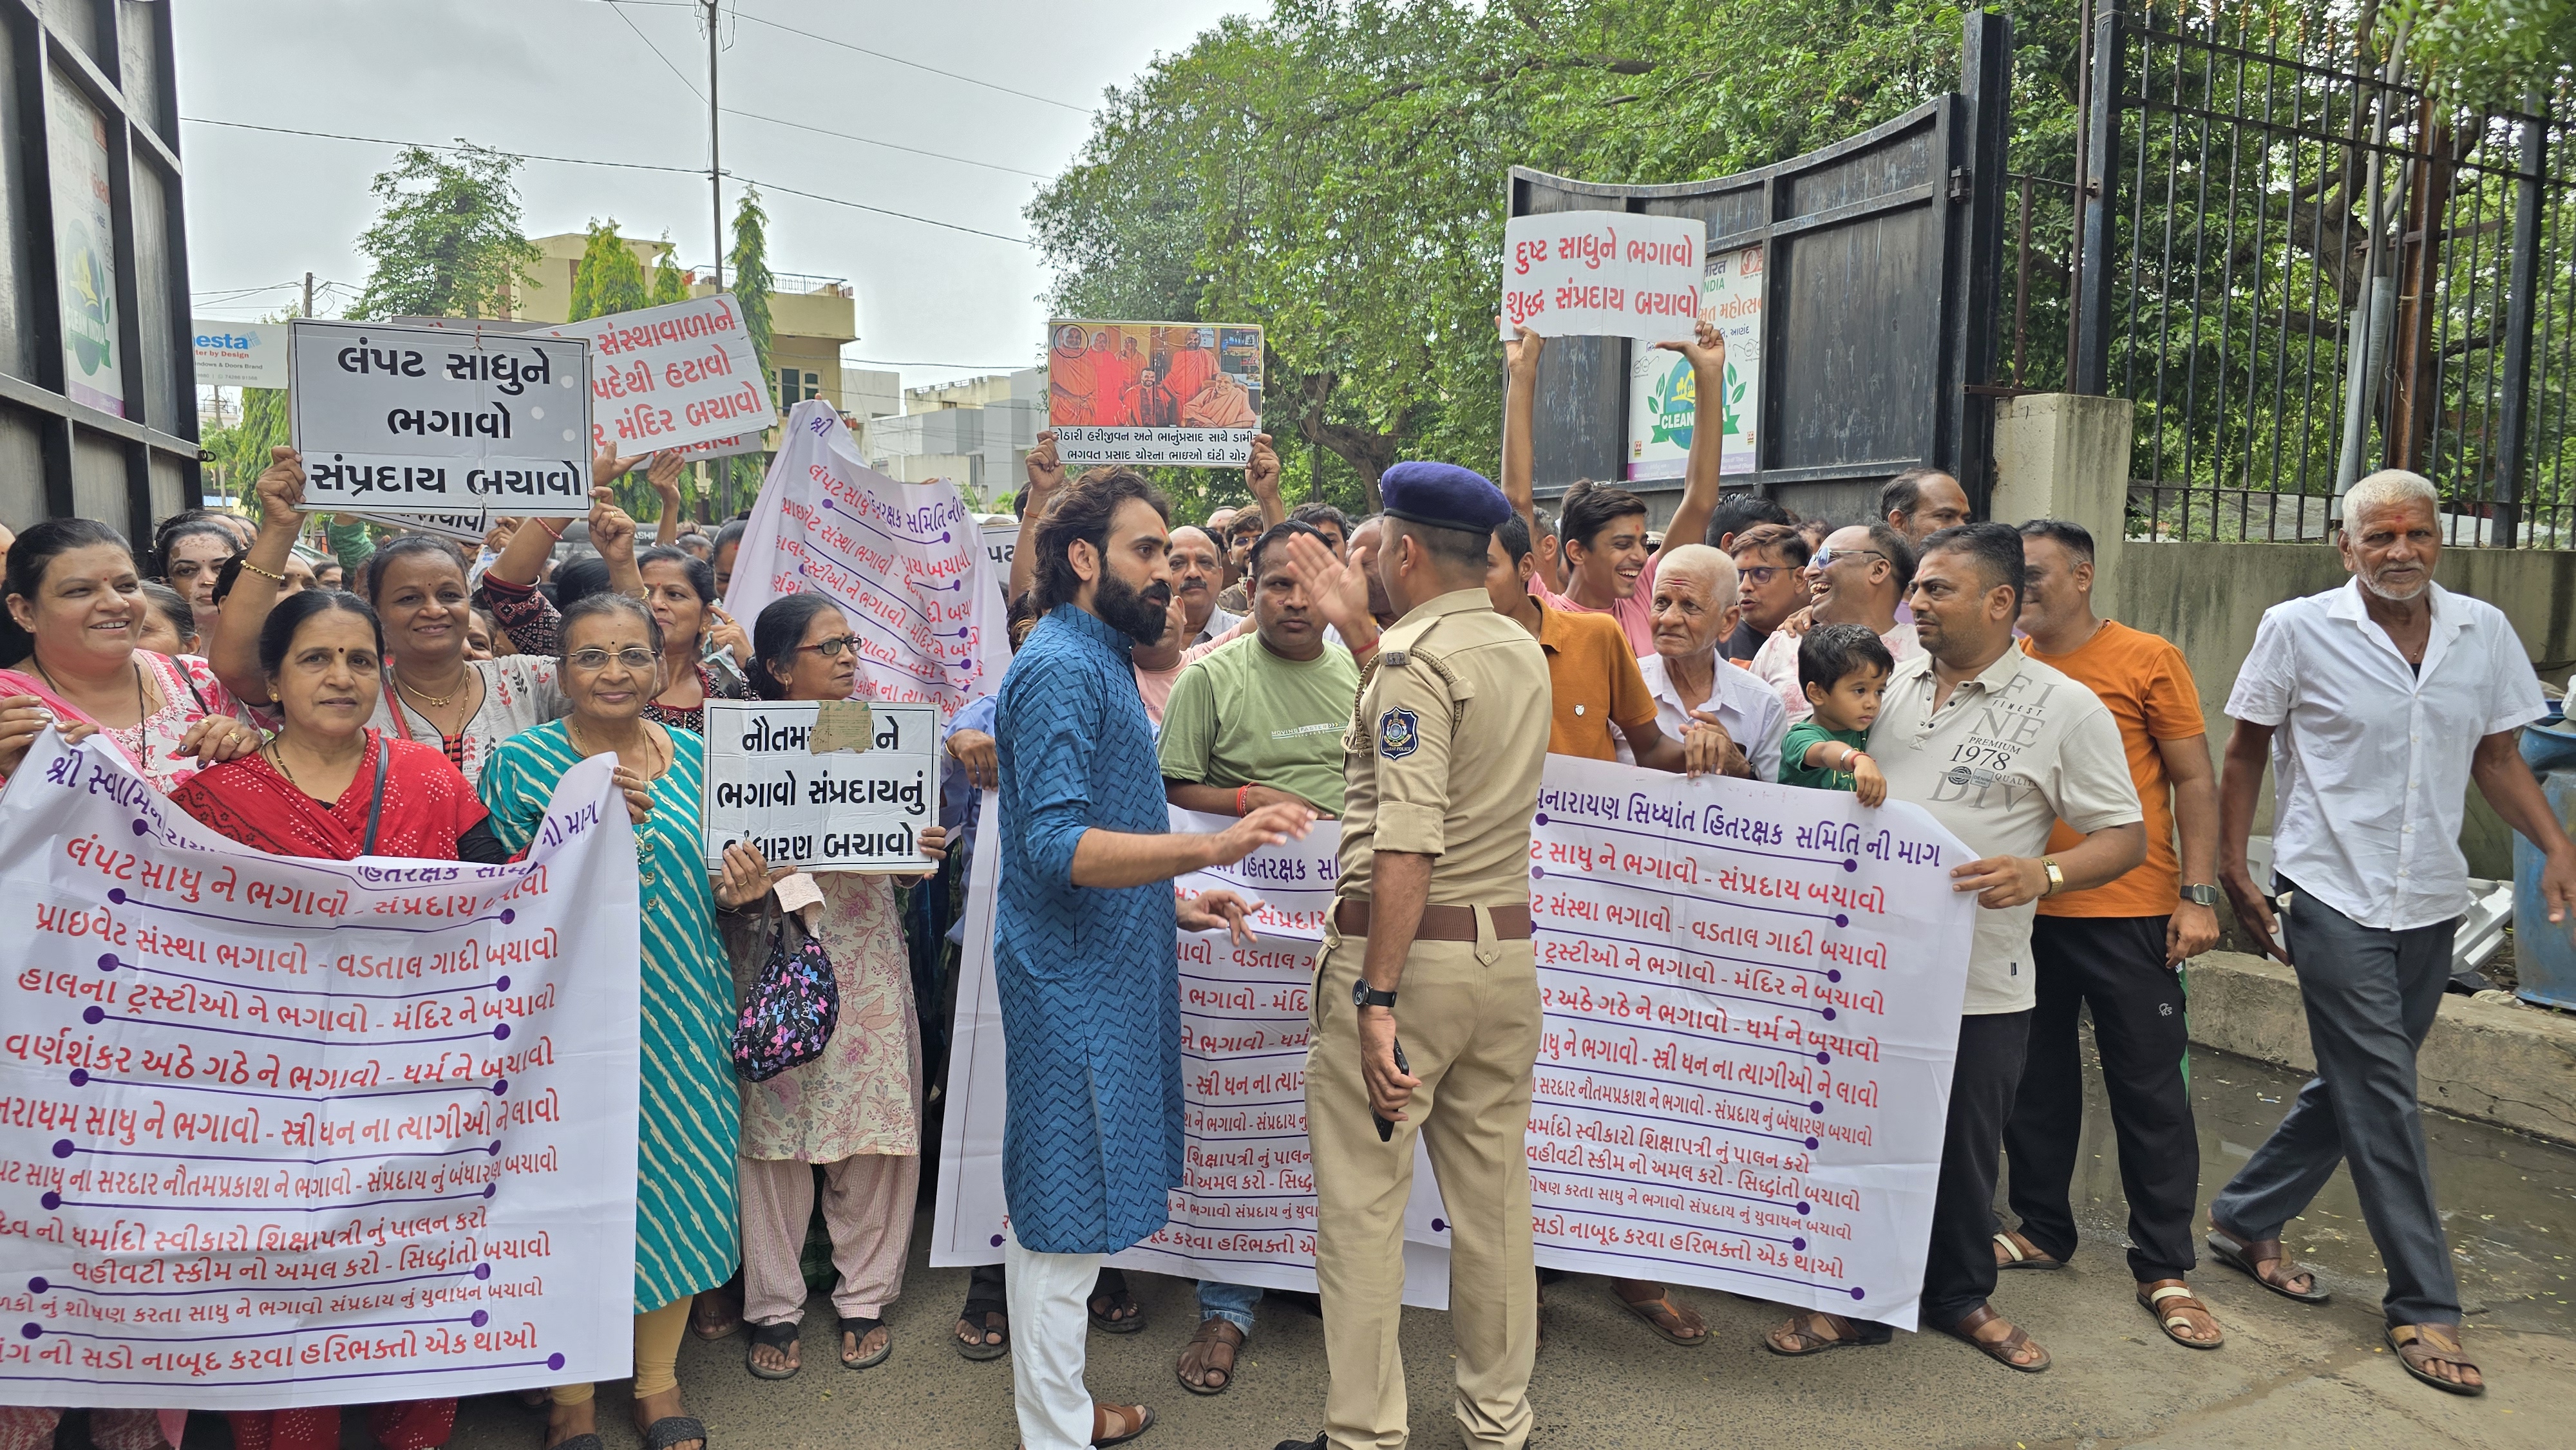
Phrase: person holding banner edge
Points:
(1084, 923)
(1441, 776)
(1999, 748)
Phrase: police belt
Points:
(1441, 923)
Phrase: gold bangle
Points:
(263, 573)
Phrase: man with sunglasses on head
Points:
(1858, 577)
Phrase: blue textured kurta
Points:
(1088, 980)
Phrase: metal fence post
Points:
(2521, 303)
(2088, 368)
(1985, 83)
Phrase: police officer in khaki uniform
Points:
(1426, 1010)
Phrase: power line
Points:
(889, 145)
(914, 64)
(619, 165)
(657, 50)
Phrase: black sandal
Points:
(770, 1336)
(978, 1314)
(1112, 1289)
(672, 1430)
(860, 1329)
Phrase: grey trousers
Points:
(2370, 997)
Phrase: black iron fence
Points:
(2302, 270)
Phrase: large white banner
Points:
(1602, 274)
(280, 1132)
(671, 376)
(905, 562)
(1751, 997)
(436, 420)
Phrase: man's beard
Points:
(1139, 614)
(2371, 583)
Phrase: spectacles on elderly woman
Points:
(594, 659)
(831, 648)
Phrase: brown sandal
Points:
(1118, 1424)
(1665, 1317)
(2254, 1257)
(1999, 1350)
(1211, 1353)
(2021, 1253)
(2165, 1299)
(2421, 1345)
(1804, 1336)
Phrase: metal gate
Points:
(1878, 257)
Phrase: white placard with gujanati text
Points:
(431, 420)
(1602, 274)
(670, 376)
(837, 785)
(279, 1132)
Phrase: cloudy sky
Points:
(582, 79)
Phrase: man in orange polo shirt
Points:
(1598, 690)
(2119, 947)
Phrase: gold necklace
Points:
(435, 702)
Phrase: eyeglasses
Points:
(589, 661)
(830, 649)
(1825, 557)
(1758, 575)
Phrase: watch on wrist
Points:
(2200, 895)
(1363, 995)
(2056, 878)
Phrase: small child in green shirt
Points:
(1843, 668)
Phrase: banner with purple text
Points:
(279, 1132)
(905, 561)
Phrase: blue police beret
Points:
(1443, 496)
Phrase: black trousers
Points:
(1959, 1265)
(2116, 965)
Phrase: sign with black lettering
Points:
(841, 810)
(417, 420)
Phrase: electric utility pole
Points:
(715, 162)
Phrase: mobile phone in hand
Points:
(1385, 1127)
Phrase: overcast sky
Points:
(575, 78)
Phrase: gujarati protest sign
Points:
(280, 1132)
(1663, 390)
(430, 420)
(905, 562)
(1181, 393)
(1602, 274)
(823, 785)
(675, 376)
(1750, 996)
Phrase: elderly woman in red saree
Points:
(75, 612)
(330, 788)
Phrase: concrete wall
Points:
(2067, 457)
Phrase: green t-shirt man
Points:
(1244, 716)
(1802, 737)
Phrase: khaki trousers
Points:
(1468, 1017)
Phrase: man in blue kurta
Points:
(1083, 941)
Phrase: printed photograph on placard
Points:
(1663, 403)
(1182, 393)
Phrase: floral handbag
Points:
(788, 1018)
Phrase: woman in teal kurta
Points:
(685, 1239)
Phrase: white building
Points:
(975, 433)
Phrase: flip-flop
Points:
(862, 1328)
(672, 1430)
(982, 1312)
(1133, 1320)
(2020, 1258)
(770, 1336)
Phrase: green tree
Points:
(446, 242)
(241, 447)
(669, 283)
(608, 279)
(749, 268)
(2501, 54)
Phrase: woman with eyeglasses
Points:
(76, 614)
(430, 691)
(685, 1238)
(854, 1112)
(680, 589)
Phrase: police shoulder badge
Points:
(1397, 736)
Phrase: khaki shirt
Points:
(1443, 754)
(2013, 751)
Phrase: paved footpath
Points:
(2289, 1377)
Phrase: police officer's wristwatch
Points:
(2201, 895)
(1364, 995)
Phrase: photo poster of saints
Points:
(1663, 401)
(1184, 393)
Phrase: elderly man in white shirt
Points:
(2379, 703)
(1693, 610)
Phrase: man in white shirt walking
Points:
(2378, 703)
